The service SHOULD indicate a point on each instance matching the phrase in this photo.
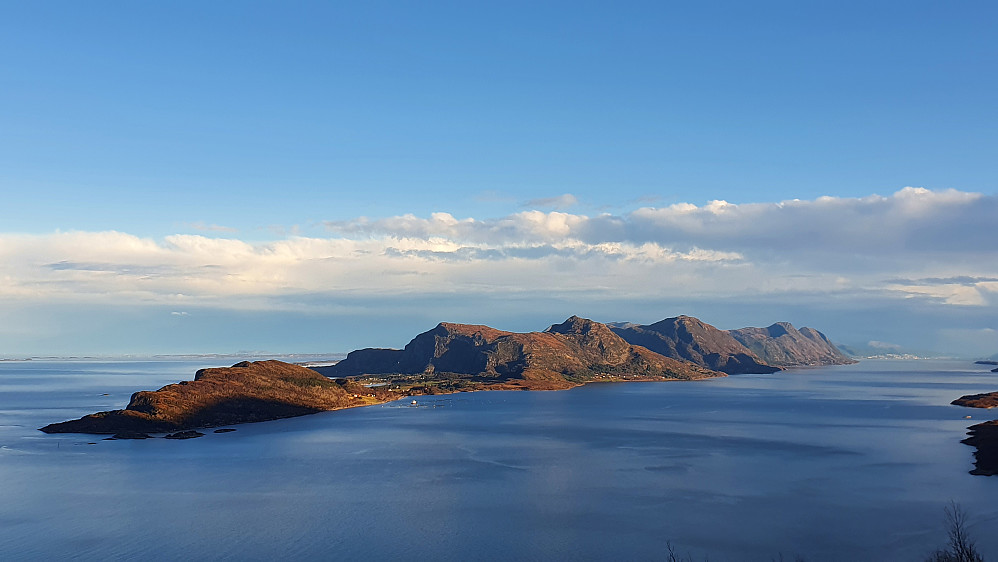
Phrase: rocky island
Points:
(986, 400)
(449, 358)
(245, 392)
(984, 436)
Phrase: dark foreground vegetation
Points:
(960, 547)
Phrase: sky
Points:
(312, 177)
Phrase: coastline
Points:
(243, 393)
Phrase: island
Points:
(446, 359)
(245, 392)
(986, 400)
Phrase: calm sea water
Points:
(840, 463)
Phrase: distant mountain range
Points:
(565, 355)
(579, 349)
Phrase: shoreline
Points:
(271, 390)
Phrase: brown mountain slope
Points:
(690, 339)
(784, 346)
(565, 355)
(245, 392)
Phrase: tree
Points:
(961, 544)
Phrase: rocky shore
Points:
(984, 436)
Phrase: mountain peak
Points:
(780, 328)
(574, 325)
(783, 345)
(691, 339)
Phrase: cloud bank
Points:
(933, 245)
(914, 248)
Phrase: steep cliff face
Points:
(575, 351)
(783, 345)
(689, 339)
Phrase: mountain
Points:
(690, 339)
(783, 345)
(565, 355)
(245, 392)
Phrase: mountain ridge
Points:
(566, 354)
(691, 339)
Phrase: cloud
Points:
(883, 345)
(961, 280)
(178, 313)
(916, 245)
(913, 221)
(560, 202)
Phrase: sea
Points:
(852, 462)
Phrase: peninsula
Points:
(245, 392)
(449, 358)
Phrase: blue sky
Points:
(194, 177)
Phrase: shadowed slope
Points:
(784, 346)
(690, 339)
(245, 392)
(984, 436)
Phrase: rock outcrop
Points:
(690, 339)
(986, 400)
(984, 436)
(782, 345)
(565, 355)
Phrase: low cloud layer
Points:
(933, 247)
